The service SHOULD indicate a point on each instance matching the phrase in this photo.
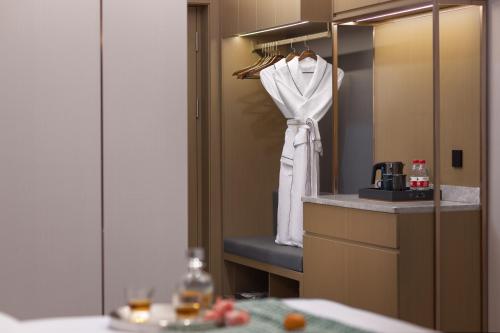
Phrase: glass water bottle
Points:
(195, 291)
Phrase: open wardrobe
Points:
(348, 160)
(249, 166)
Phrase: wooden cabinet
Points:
(340, 6)
(375, 261)
(287, 12)
(247, 15)
(384, 263)
(353, 274)
(229, 17)
(243, 16)
(267, 13)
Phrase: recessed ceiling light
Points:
(394, 13)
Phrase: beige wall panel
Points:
(403, 92)
(50, 197)
(494, 162)
(252, 138)
(288, 11)
(145, 145)
(247, 16)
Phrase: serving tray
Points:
(406, 195)
(162, 319)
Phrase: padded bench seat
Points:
(264, 249)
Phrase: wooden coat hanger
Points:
(255, 64)
(273, 57)
(308, 53)
(264, 60)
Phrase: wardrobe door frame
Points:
(437, 5)
(212, 88)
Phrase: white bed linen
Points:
(321, 308)
(368, 321)
(8, 324)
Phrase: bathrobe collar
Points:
(299, 78)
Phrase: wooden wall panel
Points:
(252, 139)
(416, 268)
(460, 95)
(461, 272)
(403, 92)
(194, 181)
(493, 163)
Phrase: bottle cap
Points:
(196, 252)
(422, 161)
(416, 161)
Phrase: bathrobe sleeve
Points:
(268, 82)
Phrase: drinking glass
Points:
(139, 301)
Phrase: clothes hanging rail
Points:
(289, 41)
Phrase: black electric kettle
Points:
(387, 168)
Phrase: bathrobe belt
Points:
(306, 133)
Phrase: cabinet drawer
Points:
(355, 275)
(352, 224)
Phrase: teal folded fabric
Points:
(267, 316)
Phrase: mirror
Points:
(386, 101)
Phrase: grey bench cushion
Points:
(264, 249)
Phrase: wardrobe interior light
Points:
(272, 29)
(394, 13)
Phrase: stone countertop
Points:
(406, 207)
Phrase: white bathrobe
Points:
(286, 161)
(305, 89)
(267, 79)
